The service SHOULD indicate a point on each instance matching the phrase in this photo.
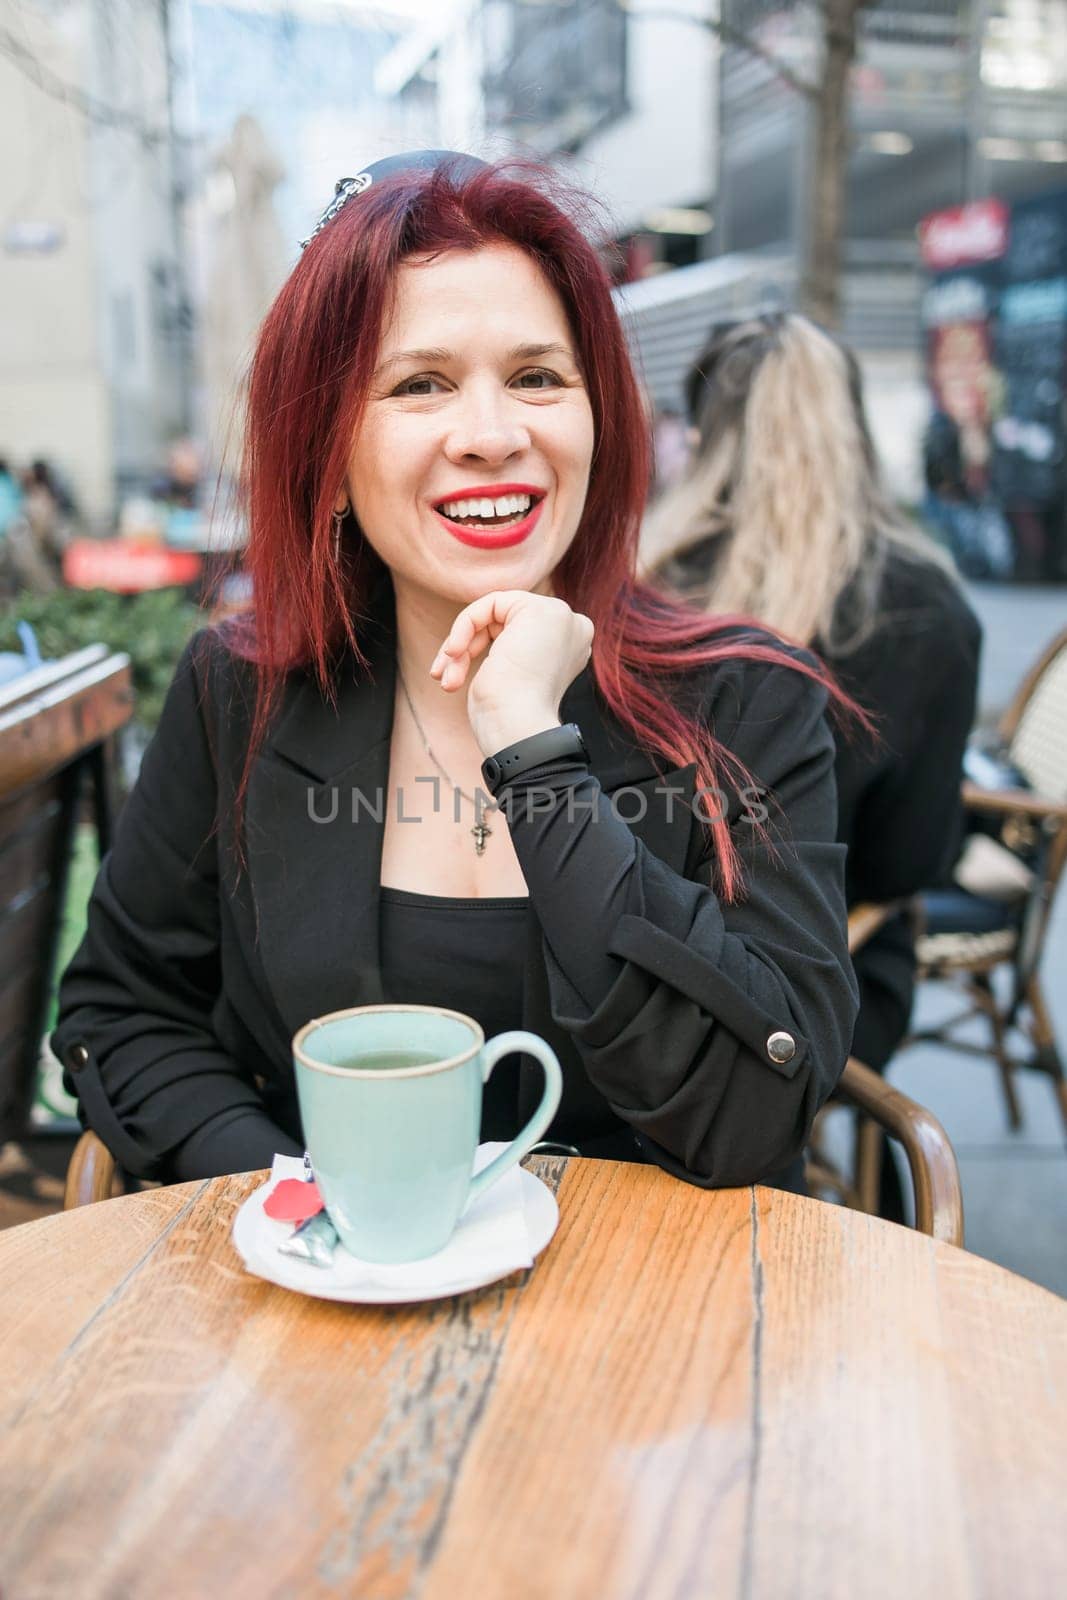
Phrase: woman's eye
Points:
(543, 379)
(421, 385)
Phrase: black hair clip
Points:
(346, 188)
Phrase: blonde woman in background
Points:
(783, 516)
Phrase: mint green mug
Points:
(391, 1103)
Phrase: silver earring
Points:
(338, 521)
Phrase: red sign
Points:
(127, 566)
(964, 235)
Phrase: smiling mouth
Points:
(482, 511)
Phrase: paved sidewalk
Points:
(1017, 621)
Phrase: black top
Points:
(468, 955)
(214, 932)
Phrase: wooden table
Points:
(722, 1394)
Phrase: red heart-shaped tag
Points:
(293, 1200)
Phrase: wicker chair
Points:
(984, 941)
(880, 1109)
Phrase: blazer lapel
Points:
(314, 828)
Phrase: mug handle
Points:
(529, 1044)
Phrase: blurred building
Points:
(115, 190)
(304, 69)
(91, 301)
(624, 101)
(278, 99)
(950, 100)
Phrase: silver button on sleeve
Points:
(781, 1047)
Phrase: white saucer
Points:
(256, 1238)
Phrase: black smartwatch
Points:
(555, 744)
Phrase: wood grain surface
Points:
(732, 1393)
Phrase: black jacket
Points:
(899, 806)
(181, 1001)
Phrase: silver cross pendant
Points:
(481, 834)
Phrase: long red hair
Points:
(315, 355)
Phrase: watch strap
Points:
(554, 744)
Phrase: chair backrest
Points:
(1036, 726)
(57, 724)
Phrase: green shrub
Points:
(151, 628)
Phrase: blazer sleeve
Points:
(673, 997)
(135, 1005)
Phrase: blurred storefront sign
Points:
(128, 566)
(964, 235)
(995, 317)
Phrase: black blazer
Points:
(194, 974)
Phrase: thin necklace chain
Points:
(488, 807)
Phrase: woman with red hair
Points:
(457, 753)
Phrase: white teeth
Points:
(506, 505)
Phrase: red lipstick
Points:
(491, 491)
(492, 538)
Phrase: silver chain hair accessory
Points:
(414, 160)
(343, 191)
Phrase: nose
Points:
(484, 428)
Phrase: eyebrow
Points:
(437, 356)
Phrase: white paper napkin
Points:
(490, 1240)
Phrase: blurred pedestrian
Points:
(49, 511)
(23, 564)
(178, 483)
(670, 438)
(783, 516)
(43, 479)
(10, 497)
(972, 527)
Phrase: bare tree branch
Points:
(737, 37)
(69, 94)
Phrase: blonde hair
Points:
(786, 482)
